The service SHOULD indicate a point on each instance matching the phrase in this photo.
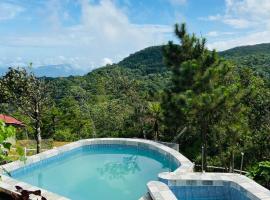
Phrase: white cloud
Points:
(178, 2)
(211, 18)
(251, 8)
(237, 23)
(9, 11)
(249, 39)
(107, 61)
(253, 16)
(244, 14)
(103, 30)
(219, 33)
(213, 34)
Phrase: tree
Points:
(28, 94)
(213, 98)
(188, 62)
(183, 61)
(154, 112)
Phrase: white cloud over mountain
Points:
(103, 30)
(250, 16)
(94, 33)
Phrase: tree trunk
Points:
(38, 128)
(38, 139)
(232, 162)
(204, 132)
(156, 130)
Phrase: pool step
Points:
(160, 191)
(146, 197)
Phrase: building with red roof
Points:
(10, 120)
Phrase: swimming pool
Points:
(120, 168)
(98, 172)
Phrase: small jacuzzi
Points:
(213, 186)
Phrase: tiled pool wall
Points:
(208, 193)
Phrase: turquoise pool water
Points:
(98, 172)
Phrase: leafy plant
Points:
(261, 173)
(6, 132)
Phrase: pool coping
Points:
(7, 184)
(250, 188)
(160, 191)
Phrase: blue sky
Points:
(87, 34)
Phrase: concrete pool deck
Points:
(183, 175)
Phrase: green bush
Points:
(63, 135)
(6, 132)
(261, 173)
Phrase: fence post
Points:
(25, 152)
(202, 158)
(242, 160)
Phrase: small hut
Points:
(11, 121)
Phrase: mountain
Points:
(62, 70)
(148, 60)
(143, 75)
(256, 57)
(247, 50)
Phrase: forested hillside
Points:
(110, 100)
(256, 57)
(105, 102)
(116, 96)
(127, 100)
(149, 60)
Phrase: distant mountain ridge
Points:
(256, 57)
(61, 70)
(263, 48)
(150, 61)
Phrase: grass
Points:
(31, 146)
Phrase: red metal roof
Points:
(10, 120)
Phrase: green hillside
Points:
(122, 100)
(148, 60)
(255, 56)
(115, 97)
(247, 50)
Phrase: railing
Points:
(170, 144)
(222, 169)
(26, 150)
